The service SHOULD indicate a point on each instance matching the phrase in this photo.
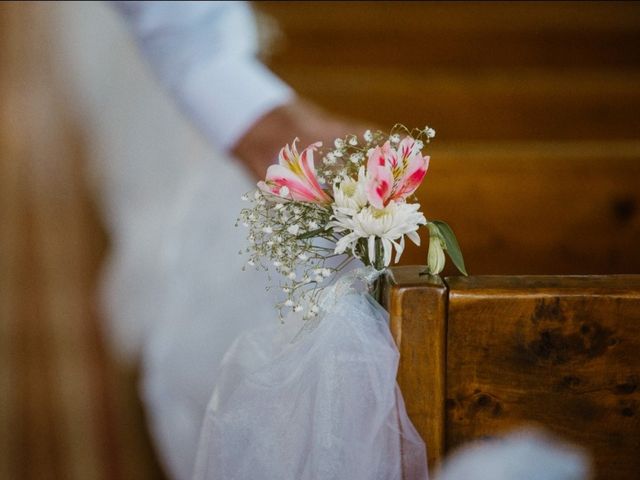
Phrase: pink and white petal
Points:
(379, 186)
(405, 149)
(375, 159)
(279, 176)
(264, 187)
(413, 177)
(286, 156)
(272, 193)
(308, 168)
(391, 156)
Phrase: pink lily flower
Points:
(294, 177)
(394, 174)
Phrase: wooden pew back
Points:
(482, 355)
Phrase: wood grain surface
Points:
(475, 71)
(532, 208)
(417, 311)
(559, 352)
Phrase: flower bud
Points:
(435, 256)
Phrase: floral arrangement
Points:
(309, 222)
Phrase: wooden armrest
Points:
(480, 355)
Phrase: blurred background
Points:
(536, 166)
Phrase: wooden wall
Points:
(537, 159)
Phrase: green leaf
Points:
(453, 249)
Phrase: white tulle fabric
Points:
(319, 403)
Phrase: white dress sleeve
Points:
(204, 53)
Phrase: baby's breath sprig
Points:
(292, 238)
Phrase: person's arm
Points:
(204, 54)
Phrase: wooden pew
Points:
(476, 71)
(481, 355)
(561, 208)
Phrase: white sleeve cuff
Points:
(228, 95)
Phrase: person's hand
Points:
(259, 146)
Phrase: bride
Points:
(174, 291)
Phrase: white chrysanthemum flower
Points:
(390, 224)
(351, 195)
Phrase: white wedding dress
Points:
(173, 292)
